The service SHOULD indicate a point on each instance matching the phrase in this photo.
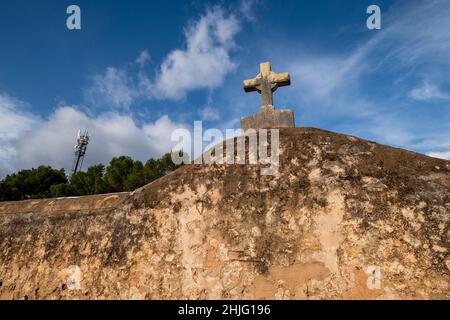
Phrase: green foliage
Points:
(117, 173)
(150, 170)
(31, 184)
(166, 165)
(62, 190)
(90, 182)
(122, 174)
(95, 179)
(155, 169)
(136, 178)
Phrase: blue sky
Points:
(139, 69)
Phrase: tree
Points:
(136, 178)
(80, 184)
(155, 169)
(150, 171)
(90, 182)
(62, 190)
(96, 177)
(3, 192)
(122, 174)
(31, 184)
(117, 172)
(166, 164)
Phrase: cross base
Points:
(269, 118)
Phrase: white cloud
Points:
(143, 58)
(27, 140)
(247, 8)
(14, 122)
(209, 113)
(441, 155)
(159, 133)
(114, 88)
(51, 141)
(204, 62)
(428, 91)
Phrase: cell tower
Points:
(80, 150)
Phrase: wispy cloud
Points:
(372, 90)
(247, 8)
(113, 88)
(415, 36)
(440, 155)
(143, 58)
(428, 91)
(209, 113)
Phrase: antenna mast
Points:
(80, 150)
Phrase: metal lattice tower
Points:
(80, 150)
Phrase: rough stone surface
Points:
(269, 118)
(339, 207)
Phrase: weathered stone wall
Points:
(339, 207)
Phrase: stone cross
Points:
(267, 82)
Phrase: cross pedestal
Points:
(265, 83)
(269, 118)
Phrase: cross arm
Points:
(281, 79)
(251, 85)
